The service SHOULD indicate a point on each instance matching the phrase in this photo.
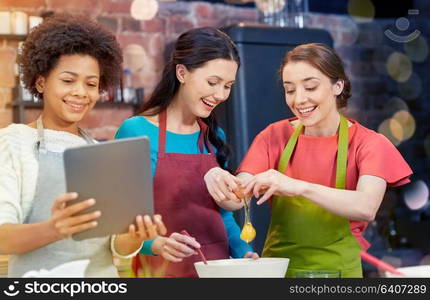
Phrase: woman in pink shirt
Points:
(325, 175)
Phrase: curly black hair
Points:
(65, 34)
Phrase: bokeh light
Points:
(407, 121)
(399, 66)
(144, 9)
(396, 129)
(417, 49)
(362, 11)
(134, 57)
(391, 129)
(412, 88)
(401, 126)
(268, 6)
(416, 195)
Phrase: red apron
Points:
(181, 197)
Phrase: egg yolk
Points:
(248, 232)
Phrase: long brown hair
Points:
(193, 49)
(327, 61)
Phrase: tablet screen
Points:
(117, 174)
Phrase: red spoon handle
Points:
(379, 263)
(198, 250)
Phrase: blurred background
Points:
(385, 47)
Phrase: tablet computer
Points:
(117, 174)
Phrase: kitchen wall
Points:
(363, 46)
(172, 19)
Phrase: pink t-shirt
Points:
(314, 159)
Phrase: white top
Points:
(19, 168)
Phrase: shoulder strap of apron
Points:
(204, 137)
(85, 135)
(342, 152)
(162, 120)
(289, 148)
(40, 143)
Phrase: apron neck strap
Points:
(86, 136)
(40, 135)
(162, 120)
(342, 152)
(289, 148)
(41, 144)
(203, 136)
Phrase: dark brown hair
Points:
(327, 61)
(193, 49)
(64, 34)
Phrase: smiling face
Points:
(311, 95)
(70, 90)
(204, 88)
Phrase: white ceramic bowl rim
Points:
(245, 261)
(243, 268)
(414, 271)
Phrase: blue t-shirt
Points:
(187, 144)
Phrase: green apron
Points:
(310, 236)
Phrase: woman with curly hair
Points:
(66, 62)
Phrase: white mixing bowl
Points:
(417, 271)
(243, 268)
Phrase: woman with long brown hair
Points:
(185, 143)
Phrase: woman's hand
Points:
(272, 182)
(146, 229)
(221, 185)
(176, 247)
(250, 254)
(64, 221)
